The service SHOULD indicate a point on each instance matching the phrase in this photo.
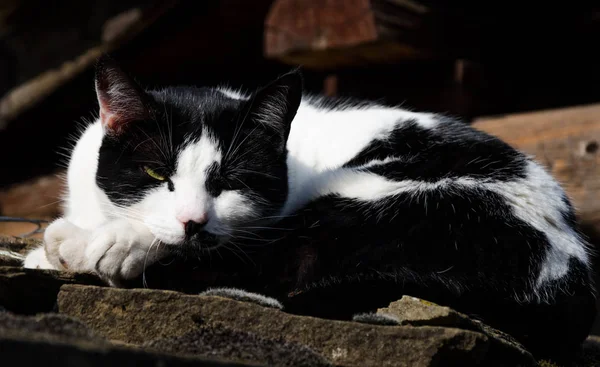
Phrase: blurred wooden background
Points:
(526, 74)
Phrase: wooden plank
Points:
(330, 85)
(566, 141)
(34, 199)
(325, 34)
(117, 32)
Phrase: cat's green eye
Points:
(152, 173)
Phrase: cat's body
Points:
(359, 200)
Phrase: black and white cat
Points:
(349, 194)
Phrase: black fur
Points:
(335, 256)
(453, 150)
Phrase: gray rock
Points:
(589, 356)
(139, 316)
(55, 324)
(58, 340)
(417, 312)
(13, 249)
(227, 344)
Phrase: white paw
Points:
(118, 251)
(65, 245)
(36, 259)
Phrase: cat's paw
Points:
(36, 259)
(376, 319)
(65, 245)
(117, 251)
(242, 295)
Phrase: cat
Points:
(360, 202)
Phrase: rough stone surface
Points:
(136, 316)
(51, 323)
(58, 340)
(590, 353)
(10, 259)
(13, 249)
(417, 312)
(101, 325)
(224, 343)
(98, 325)
(53, 330)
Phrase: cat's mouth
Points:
(205, 241)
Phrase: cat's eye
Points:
(155, 175)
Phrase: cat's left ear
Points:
(275, 105)
(121, 99)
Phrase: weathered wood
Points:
(324, 34)
(35, 199)
(330, 85)
(566, 141)
(116, 33)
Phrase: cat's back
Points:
(326, 132)
(369, 154)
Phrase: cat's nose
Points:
(193, 227)
(189, 216)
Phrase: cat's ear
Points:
(275, 105)
(121, 99)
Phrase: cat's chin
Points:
(206, 241)
(197, 250)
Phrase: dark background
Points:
(469, 60)
(513, 59)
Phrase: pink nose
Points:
(195, 225)
(198, 219)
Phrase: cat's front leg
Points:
(121, 250)
(63, 248)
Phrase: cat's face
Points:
(197, 166)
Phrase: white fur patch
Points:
(36, 259)
(321, 141)
(233, 206)
(85, 203)
(537, 200)
(324, 140)
(232, 93)
(191, 199)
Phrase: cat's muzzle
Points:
(203, 240)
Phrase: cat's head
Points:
(197, 166)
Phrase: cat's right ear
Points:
(122, 101)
